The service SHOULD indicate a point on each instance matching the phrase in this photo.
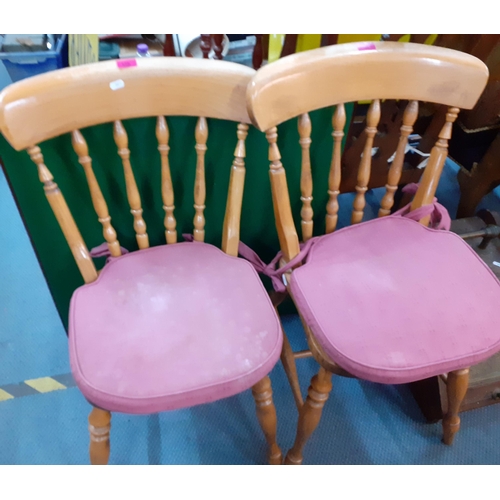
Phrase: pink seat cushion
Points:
(169, 327)
(392, 301)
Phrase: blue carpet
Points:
(363, 423)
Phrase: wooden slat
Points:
(58, 102)
(432, 173)
(349, 72)
(201, 135)
(231, 231)
(63, 215)
(332, 207)
(134, 199)
(372, 119)
(100, 206)
(306, 185)
(289, 241)
(409, 117)
(167, 190)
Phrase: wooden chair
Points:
(175, 325)
(371, 301)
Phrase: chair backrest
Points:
(67, 100)
(373, 71)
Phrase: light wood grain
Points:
(306, 184)
(231, 230)
(432, 173)
(315, 79)
(289, 241)
(457, 383)
(99, 429)
(409, 117)
(134, 199)
(68, 99)
(167, 189)
(332, 207)
(58, 102)
(100, 206)
(372, 119)
(288, 358)
(201, 135)
(327, 76)
(310, 414)
(266, 413)
(63, 215)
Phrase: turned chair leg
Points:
(456, 388)
(99, 427)
(310, 414)
(266, 413)
(288, 360)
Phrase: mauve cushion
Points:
(170, 327)
(392, 301)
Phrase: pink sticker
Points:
(367, 46)
(126, 63)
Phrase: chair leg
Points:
(99, 427)
(310, 414)
(288, 360)
(456, 388)
(266, 413)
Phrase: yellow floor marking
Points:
(45, 384)
(4, 395)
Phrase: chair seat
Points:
(170, 327)
(392, 301)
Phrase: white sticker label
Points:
(495, 263)
(117, 84)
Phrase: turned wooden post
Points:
(231, 230)
(409, 117)
(289, 242)
(289, 45)
(432, 173)
(329, 40)
(457, 383)
(266, 413)
(372, 119)
(288, 360)
(218, 46)
(310, 414)
(168, 46)
(201, 135)
(167, 190)
(134, 199)
(99, 428)
(332, 207)
(206, 45)
(100, 206)
(64, 218)
(306, 185)
(258, 52)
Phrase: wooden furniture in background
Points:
(482, 234)
(54, 104)
(474, 185)
(332, 76)
(168, 46)
(477, 149)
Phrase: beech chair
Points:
(172, 326)
(389, 300)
